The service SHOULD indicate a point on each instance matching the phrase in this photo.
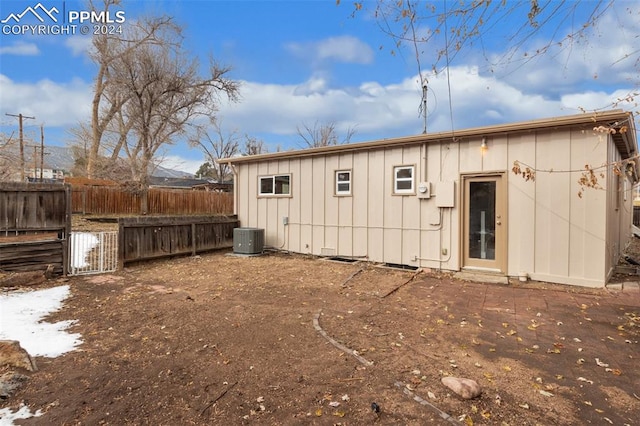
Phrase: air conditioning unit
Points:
(248, 240)
(424, 190)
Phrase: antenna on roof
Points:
(424, 104)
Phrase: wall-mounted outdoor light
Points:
(484, 146)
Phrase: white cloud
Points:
(176, 162)
(598, 100)
(560, 83)
(377, 110)
(274, 111)
(78, 45)
(20, 48)
(345, 49)
(604, 57)
(52, 103)
(313, 85)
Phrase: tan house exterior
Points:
(452, 201)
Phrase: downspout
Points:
(235, 188)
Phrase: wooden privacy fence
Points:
(116, 201)
(144, 238)
(35, 221)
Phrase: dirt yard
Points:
(219, 339)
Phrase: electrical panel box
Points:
(445, 194)
(424, 190)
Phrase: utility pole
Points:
(35, 156)
(35, 163)
(20, 119)
(41, 150)
(34, 160)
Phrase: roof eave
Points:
(532, 125)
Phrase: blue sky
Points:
(302, 62)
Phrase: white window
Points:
(343, 182)
(403, 180)
(275, 185)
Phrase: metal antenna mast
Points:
(424, 104)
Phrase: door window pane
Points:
(482, 220)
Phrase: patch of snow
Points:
(7, 416)
(21, 314)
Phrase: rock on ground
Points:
(9, 382)
(465, 388)
(13, 355)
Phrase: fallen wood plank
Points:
(402, 285)
(352, 276)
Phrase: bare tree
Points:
(254, 146)
(9, 158)
(436, 34)
(152, 92)
(103, 165)
(108, 98)
(217, 144)
(323, 135)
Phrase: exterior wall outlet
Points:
(285, 220)
(444, 251)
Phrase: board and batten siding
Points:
(552, 233)
(372, 223)
(569, 230)
(620, 208)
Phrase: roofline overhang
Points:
(615, 118)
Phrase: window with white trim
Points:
(275, 185)
(403, 180)
(343, 182)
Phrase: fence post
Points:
(193, 239)
(121, 241)
(66, 249)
